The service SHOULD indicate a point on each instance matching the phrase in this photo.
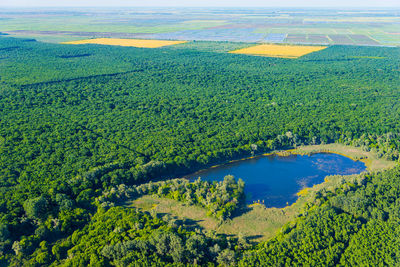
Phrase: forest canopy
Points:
(77, 121)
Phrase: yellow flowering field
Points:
(283, 51)
(127, 42)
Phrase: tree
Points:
(36, 208)
(176, 248)
(4, 233)
(226, 258)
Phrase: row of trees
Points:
(383, 146)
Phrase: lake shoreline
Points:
(356, 154)
(372, 163)
(264, 222)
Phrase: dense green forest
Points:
(78, 121)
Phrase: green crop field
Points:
(201, 25)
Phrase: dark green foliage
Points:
(317, 240)
(78, 120)
(122, 236)
(376, 244)
(4, 233)
(378, 198)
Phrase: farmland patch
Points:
(363, 39)
(341, 39)
(127, 42)
(282, 51)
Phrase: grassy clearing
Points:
(127, 42)
(282, 51)
(257, 222)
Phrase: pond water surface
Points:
(276, 179)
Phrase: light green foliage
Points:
(121, 236)
(37, 208)
(221, 199)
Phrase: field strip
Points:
(282, 51)
(142, 43)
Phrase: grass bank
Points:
(256, 222)
(372, 162)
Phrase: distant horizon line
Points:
(232, 7)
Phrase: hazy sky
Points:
(205, 3)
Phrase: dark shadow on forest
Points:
(73, 56)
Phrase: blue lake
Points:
(276, 179)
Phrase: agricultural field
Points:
(275, 37)
(362, 39)
(282, 51)
(296, 38)
(127, 42)
(341, 39)
(318, 39)
(314, 26)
